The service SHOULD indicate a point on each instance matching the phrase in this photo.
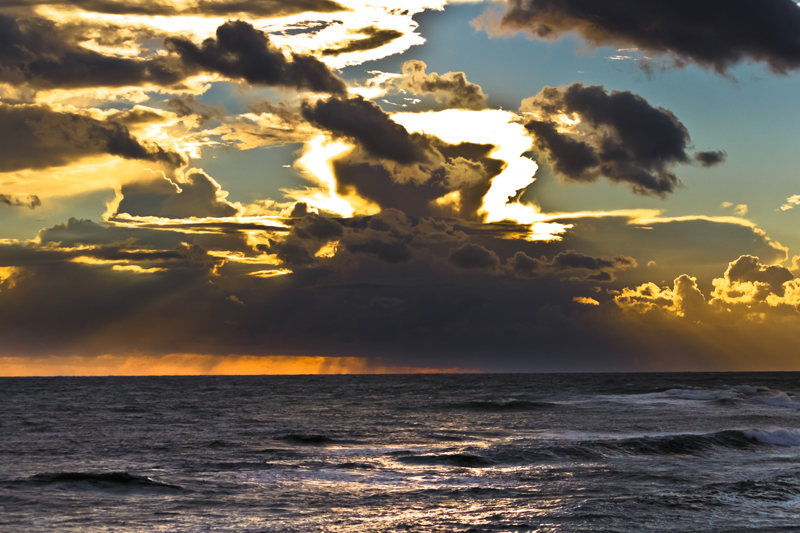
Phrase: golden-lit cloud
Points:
(791, 202)
(748, 290)
(316, 165)
(503, 130)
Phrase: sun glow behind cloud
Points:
(503, 130)
(316, 165)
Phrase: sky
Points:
(353, 186)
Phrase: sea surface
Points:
(423, 453)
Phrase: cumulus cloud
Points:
(241, 51)
(716, 34)
(791, 202)
(683, 300)
(451, 88)
(39, 137)
(749, 283)
(195, 195)
(747, 291)
(473, 256)
(365, 122)
(587, 132)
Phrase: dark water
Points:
(602, 452)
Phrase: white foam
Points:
(744, 389)
(775, 437)
(688, 394)
(776, 398)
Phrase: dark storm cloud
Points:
(32, 201)
(376, 37)
(620, 136)
(197, 195)
(571, 264)
(465, 168)
(365, 122)
(372, 300)
(241, 51)
(211, 8)
(452, 87)
(390, 252)
(38, 137)
(714, 34)
(313, 226)
(35, 52)
(473, 256)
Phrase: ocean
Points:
(402, 453)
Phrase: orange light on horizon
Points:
(202, 365)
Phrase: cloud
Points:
(195, 195)
(35, 137)
(473, 256)
(683, 300)
(716, 34)
(207, 8)
(709, 159)
(451, 88)
(749, 283)
(569, 264)
(265, 125)
(366, 123)
(748, 291)
(587, 132)
(32, 201)
(34, 51)
(241, 51)
(791, 202)
(375, 38)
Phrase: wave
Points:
(464, 460)
(109, 480)
(728, 395)
(667, 445)
(701, 394)
(306, 439)
(775, 399)
(354, 466)
(775, 437)
(504, 405)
